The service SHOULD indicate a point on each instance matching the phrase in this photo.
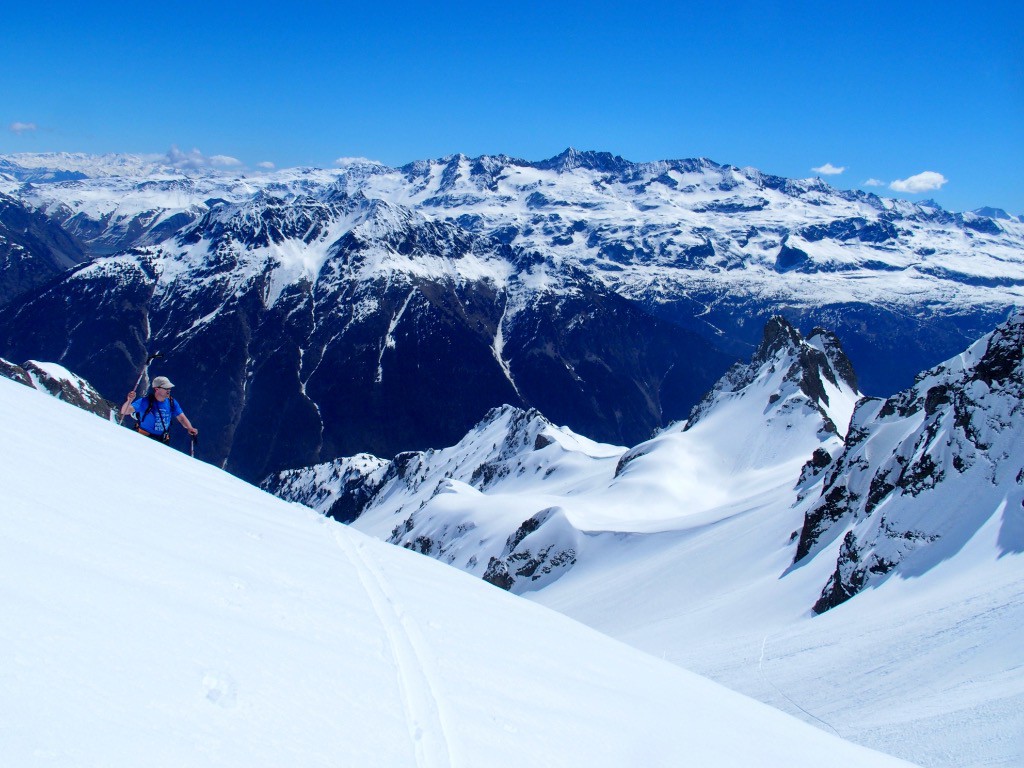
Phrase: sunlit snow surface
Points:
(684, 547)
(159, 612)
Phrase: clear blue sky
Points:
(886, 91)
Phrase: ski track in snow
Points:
(419, 694)
(783, 694)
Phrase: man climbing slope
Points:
(155, 411)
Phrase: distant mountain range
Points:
(310, 314)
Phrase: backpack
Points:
(165, 435)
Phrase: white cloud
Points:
(921, 182)
(873, 183)
(344, 162)
(194, 159)
(23, 127)
(830, 170)
(266, 164)
(225, 161)
(179, 159)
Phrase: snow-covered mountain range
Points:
(747, 440)
(182, 617)
(782, 496)
(316, 313)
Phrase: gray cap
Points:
(163, 382)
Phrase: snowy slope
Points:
(61, 383)
(160, 612)
(702, 525)
(923, 658)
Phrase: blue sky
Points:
(885, 91)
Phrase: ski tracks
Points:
(423, 710)
(760, 669)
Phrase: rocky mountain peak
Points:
(816, 367)
(779, 335)
(1001, 366)
(571, 159)
(960, 428)
(830, 345)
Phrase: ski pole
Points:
(192, 446)
(142, 373)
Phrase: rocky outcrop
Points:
(923, 470)
(339, 489)
(34, 249)
(816, 368)
(59, 382)
(537, 553)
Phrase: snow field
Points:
(158, 611)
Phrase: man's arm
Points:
(183, 420)
(126, 406)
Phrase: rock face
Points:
(817, 369)
(61, 383)
(926, 469)
(33, 249)
(538, 552)
(340, 489)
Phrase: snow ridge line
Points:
(419, 694)
(783, 694)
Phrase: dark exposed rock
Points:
(819, 460)
(834, 506)
(966, 414)
(847, 580)
(14, 372)
(542, 441)
(34, 249)
(497, 574)
(790, 258)
(70, 388)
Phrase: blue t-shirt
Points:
(160, 416)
